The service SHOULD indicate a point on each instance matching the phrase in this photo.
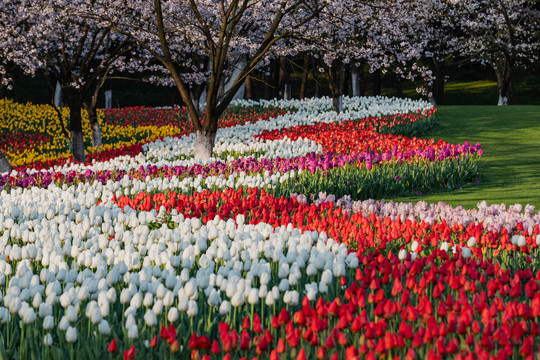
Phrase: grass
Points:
(510, 166)
(479, 92)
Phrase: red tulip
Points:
(280, 346)
(175, 346)
(113, 347)
(130, 353)
(215, 348)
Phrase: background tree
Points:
(79, 53)
(207, 37)
(501, 34)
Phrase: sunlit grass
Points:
(510, 167)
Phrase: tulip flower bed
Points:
(146, 253)
(123, 130)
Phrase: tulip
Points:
(104, 328)
(112, 348)
(150, 318)
(130, 353)
(71, 335)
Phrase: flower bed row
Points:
(151, 254)
(111, 272)
(42, 145)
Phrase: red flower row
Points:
(355, 230)
(350, 137)
(20, 141)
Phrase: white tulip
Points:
(104, 328)
(168, 299)
(71, 314)
(183, 302)
(150, 318)
(71, 335)
(224, 308)
(29, 316)
(172, 315)
(192, 308)
(133, 332)
(253, 296)
(326, 277)
(269, 301)
(48, 322)
(5, 316)
(158, 307)
(465, 252)
(47, 340)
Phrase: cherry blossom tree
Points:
(502, 34)
(79, 53)
(206, 38)
(351, 33)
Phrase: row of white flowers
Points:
(59, 240)
(240, 139)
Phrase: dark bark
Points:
(336, 75)
(270, 80)
(362, 83)
(75, 125)
(284, 78)
(377, 83)
(399, 87)
(195, 94)
(249, 88)
(504, 71)
(437, 89)
(94, 126)
(346, 78)
(5, 166)
(305, 75)
(52, 89)
(93, 119)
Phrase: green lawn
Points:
(510, 166)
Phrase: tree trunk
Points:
(346, 77)
(5, 166)
(269, 81)
(437, 89)
(504, 71)
(377, 83)
(305, 74)
(336, 85)
(196, 93)
(362, 83)
(399, 87)
(354, 81)
(75, 121)
(92, 115)
(204, 144)
(238, 67)
(284, 77)
(249, 88)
